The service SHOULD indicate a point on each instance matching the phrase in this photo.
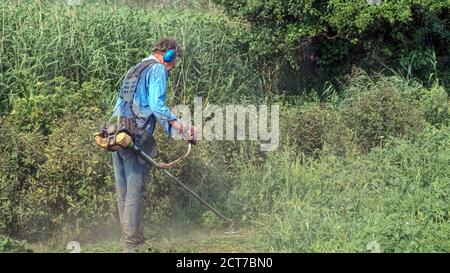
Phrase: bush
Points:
(314, 127)
(75, 186)
(54, 183)
(370, 110)
(434, 103)
(57, 99)
(12, 246)
(380, 111)
(22, 155)
(49, 159)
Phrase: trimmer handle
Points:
(192, 141)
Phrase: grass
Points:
(396, 196)
(172, 239)
(42, 41)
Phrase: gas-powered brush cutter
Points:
(116, 136)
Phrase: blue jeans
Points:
(131, 175)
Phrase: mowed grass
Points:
(179, 238)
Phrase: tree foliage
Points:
(339, 33)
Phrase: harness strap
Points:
(131, 79)
(129, 86)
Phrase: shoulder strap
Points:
(131, 79)
(137, 69)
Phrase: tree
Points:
(330, 34)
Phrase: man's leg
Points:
(121, 184)
(137, 173)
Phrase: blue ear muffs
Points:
(169, 55)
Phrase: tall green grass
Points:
(397, 196)
(41, 41)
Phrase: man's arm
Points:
(157, 86)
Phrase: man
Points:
(143, 100)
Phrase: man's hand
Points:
(188, 131)
(192, 131)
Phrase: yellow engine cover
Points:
(121, 140)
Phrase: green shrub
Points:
(55, 182)
(57, 99)
(313, 128)
(12, 246)
(303, 128)
(75, 186)
(434, 103)
(42, 154)
(20, 162)
(380, 111)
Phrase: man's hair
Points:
(168, 43)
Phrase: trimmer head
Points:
(231, 228)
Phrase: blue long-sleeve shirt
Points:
(150, 99)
